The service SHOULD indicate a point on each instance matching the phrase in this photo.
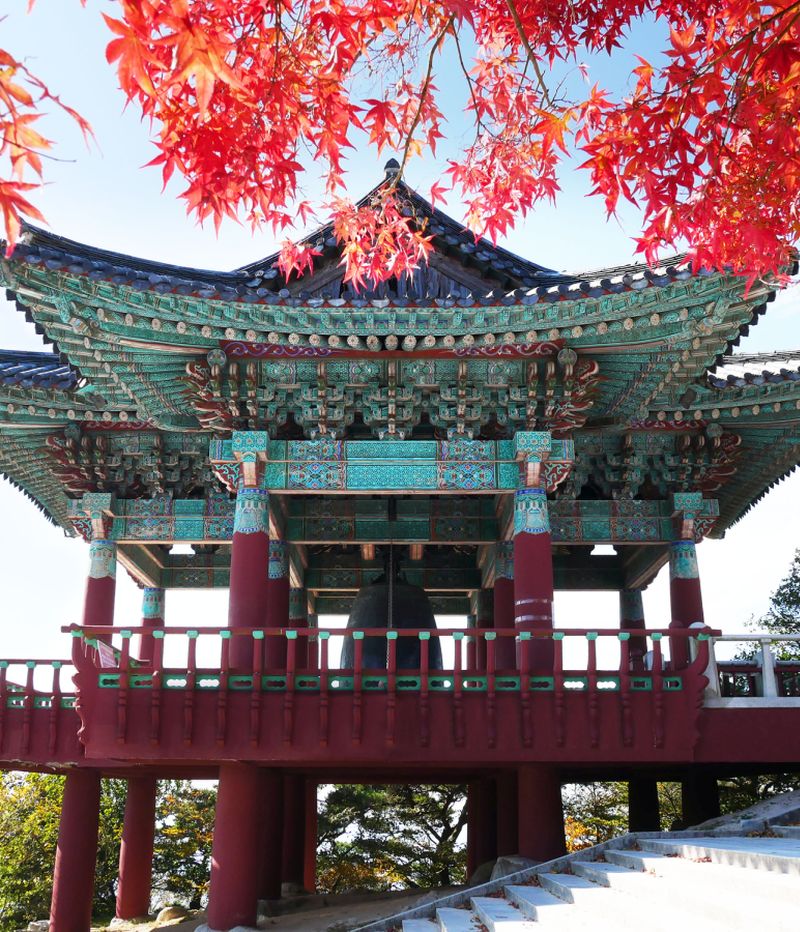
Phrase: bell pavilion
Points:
(456, 442)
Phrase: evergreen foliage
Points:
(391, 837)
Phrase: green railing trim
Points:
(57, 664)
(591, 635)
(673, 683)
(424, 635)
(656, 635)
(76, 633)
(558, 635)
(193, 634)
(375, 683)
(624, 636)
(208, 681)
(358, 635)
(475, 684)
(30, 664)
(225, 635)
(126, 634)
(176, 681)
(306, 683)
(507, 683)
(108, 680)
(641, 683)
(524, 635)
(258, 635)
(158, 634)
(340, 683)
(241, 681)
(442, 683)
(458, 635)
(291, 635)
(3, 664)
(141, 680)
(542, 682)
(391, 635)
(490, 636)
(323, 635)
(408, 683)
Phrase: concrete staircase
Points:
(713, 882)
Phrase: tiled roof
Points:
(743, 369)
(510, 279)
(35, 370)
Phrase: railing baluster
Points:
(491, 695)
(591, 685)
(191, 684)
(424, 672)
(458, 688)
(55, 706)
(158, 684)
(288, 695)
(391, 686)
(259, 651)
(27, 708)
(657, 675)
(358, 659)
(323, 687)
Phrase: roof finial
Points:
(391, 169)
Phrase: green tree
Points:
(182, 850)
(391, 837)
(30, 808)
(783, 614)
(594, 812)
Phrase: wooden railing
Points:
(34, 706)
(757, 674)
(283, 689)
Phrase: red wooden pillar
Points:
(505, 649)
(294, 831)
(152, 617)
(277, 615)
(686, 601)
(271, 834)
(631, 619)
(310, 846)
(643, 805)
(481, 824)
(136, 850)
(533, 574)
(298, 618)
(235, 861)
(507, 813)
(249, 558)
(541, 816)
(73, 877)
(101, 584)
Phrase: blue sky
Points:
(103, 196)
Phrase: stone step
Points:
(786, 831)
(498, 915)
(727, 881)
(608, 874)
(457, 920)
(420, 925)
(568, 887)
(781, 855)
(535, 902)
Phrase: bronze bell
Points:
(391, 602)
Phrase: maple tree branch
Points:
(423, 95)
(470, 84)
(512, 9)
